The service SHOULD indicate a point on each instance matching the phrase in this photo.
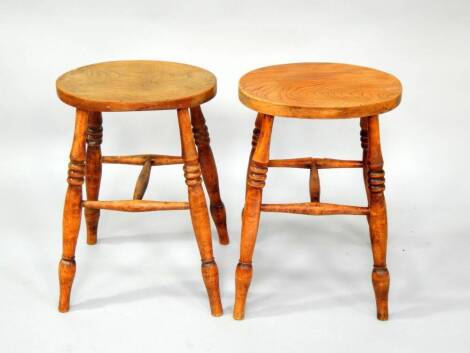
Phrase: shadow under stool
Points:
(134, 86)
(317, 91)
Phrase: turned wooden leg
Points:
(72, 209)
(377, 218)
(199, 213)
(254, 140)
(93, 173)
(209, 173)
(365, 147)
(254, 143)
(255, 182)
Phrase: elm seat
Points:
(319, 90)
(136, 85)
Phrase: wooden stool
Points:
(132, 86)
(317, 91)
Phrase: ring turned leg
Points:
(209, 173)
(93, 173)
(199, 214)
(258, 169)
(72, 210)
(365, 148)
(254, 140)
(377, 218)
(254, 143)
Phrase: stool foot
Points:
(210, 274)
(243, 276)
(66, 275)
(209, 173)
(381, 283)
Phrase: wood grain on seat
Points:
(319, 90)
(136, 85)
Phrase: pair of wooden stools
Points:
(304, 90)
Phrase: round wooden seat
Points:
(136, 85)
(319, 90)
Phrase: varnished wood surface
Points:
(72, 209)
(199, 213)
(136, 205)
(314, 183)
(93, 168)
(377, 217)
(143, 180)
(256, 179)
(140, 85)
(315, 209)
(140, 159)
(136, 85)
(376, 213)
(209, 173)
(319, 90)
(320, 163)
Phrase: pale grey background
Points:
(140, 289)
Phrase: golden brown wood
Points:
(254, 143)
(136, 85)
(315, 209)
(319, 90)
(378, 218)
(209, 173)
(365, 147)
(323, 91)
(93, 172)
(254, 140)
(314, 183)
(199, 213)
(256, 181)
(156, 159)
(72, 209)
(320, 163)
(142, 180)
(131, 86)
(135, 205)
(255, 136)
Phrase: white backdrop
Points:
(139, 289)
